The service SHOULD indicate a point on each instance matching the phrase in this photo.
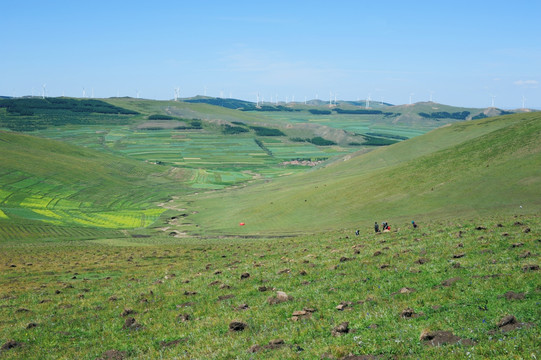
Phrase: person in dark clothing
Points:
(414, 224)
(376, 227)
(357, 232)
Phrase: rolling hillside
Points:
(51, 183)
(470, 168)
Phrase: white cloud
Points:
(529, 83)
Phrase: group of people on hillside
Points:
(385, 227)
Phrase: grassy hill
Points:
(46, 183)
(470, 168)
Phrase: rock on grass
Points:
(343, 328)
(11, 344)
(113, 355)
(237, 326)
(438, 338)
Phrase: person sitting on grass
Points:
(414, 224)
(376, 227)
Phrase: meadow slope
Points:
(469, 168)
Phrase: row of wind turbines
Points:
(260, 100)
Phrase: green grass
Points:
(477, 167)
(76, 292)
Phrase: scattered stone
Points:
(343, 328)
(262, 288)
(282, 296)
(526, 230)
(186, 304)
(510, 323)
(225, 286)
(450, 281)
(13, 266)
(437, 338)
(299, 314)
(458, 256)
(217, 272)
(457, 265)
(113, 355)
(518, 223)
(217, 282)
(190, 293)
(44, 301)
(31, 325)
(237, 326)
(273, 344)
(404, 290)
(127, 312)
(243, 307)
(184, 317)
(421, 261)
(344, 259)
(530, 267)
(57, 292)
(131, 324)
(525, 254)
(510, 295)
(225, 297)
(377, 253)
(171, 343)
(499, 225)
(459, 234)
(409, 313)
(22, 310)
(460, 245)
(480, 228)
(516, 245)
(244, 276)
(373, 326)
(284, 271)
(303, 273)
(507, 320)
(505, 234)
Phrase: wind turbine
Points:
(84, 93)
(330, 98)
(368, 101)
(44, 92)
(92, 93)
(493, 97)
(431, 93)
(411, 97)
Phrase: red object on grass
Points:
(242, 224)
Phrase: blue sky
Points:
(461, 52)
